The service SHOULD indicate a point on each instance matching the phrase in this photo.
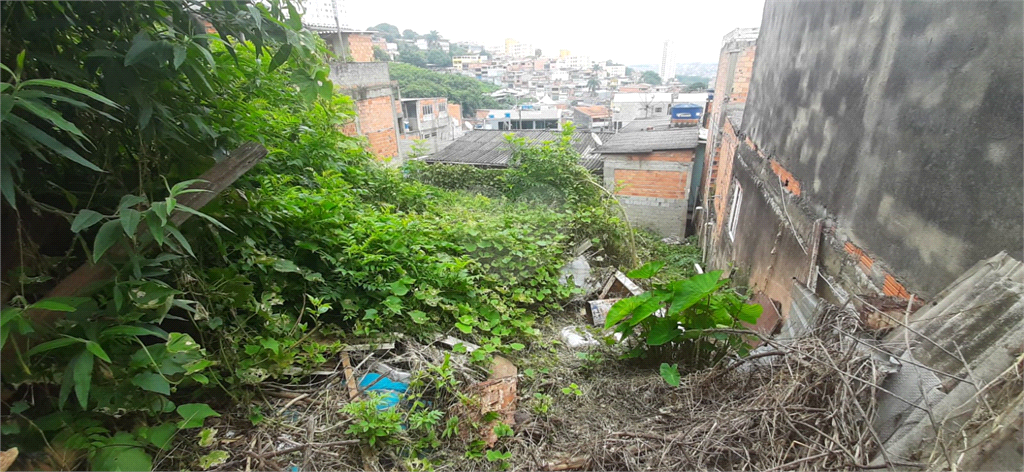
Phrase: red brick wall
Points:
(454, 109)
(651, 183)
(741, 76)
(360, 47)
(721, 180)
(375, 120)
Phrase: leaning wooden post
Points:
(214, 181)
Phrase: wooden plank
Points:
(350, 377)
(218, 178)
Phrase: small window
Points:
(428, 109)
(734, 212)
(657, 109)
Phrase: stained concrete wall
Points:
(901, 123)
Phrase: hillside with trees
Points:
(416, 82)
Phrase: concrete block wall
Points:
(652, 188)
(359, 74)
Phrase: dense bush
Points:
(417, 82)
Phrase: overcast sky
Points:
(627, 32)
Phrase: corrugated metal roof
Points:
(490, 148)
(961, 342)
(662, 122)
(648, 141)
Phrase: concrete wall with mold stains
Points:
(902, 124)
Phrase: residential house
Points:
(525, 119)
(592, 118)
(627, 107)
(854, 177)
(426, 119)
(650, 173)
(735, 67)
(491, 149)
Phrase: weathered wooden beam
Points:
(214, 180)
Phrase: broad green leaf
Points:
(193, 415)
(140, 44)
(181, 239)
(271, 344)
(749, 313)
(623, 308)
(648, 308)
(284, 265)
(72, 87)
(418, 317)
(160, 435)
(180, 53)
(82, 369)
(109, 234)
(183, 187)
(156, 228)
(179, 342)
(393, 303)
(24, 129)
(43, 111)
(647, 271)
(130, 221)
(464, 328)
(66, 304)
(670, 373)
(398, 288)
(116, 331)
(213, 459)
(688, 292)
(130, 201)
(280, 56)
(202, 215)
(153, 382)
(85, 219)
(663, 331)
(97, 350)
(206, 436)
(51, 345)
(122, 457)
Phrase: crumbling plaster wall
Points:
(901, 123)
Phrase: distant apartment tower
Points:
(668, 61)
(322, 14)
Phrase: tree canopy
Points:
(650, 77)
(389, 31)
(416, 82)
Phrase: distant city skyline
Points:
(626, 35)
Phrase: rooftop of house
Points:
(631, 97)
(489, 148)
(547, 114)
(656, 123)
(596, 111)
(735, 115)
(650, 141)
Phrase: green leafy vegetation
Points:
(317, 244)
(417, 82)
(650, 77)
(694, 323)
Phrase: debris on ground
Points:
(575, 337)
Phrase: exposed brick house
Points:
(651, 172)
(370, 86)
(850, 178)
(732, 82)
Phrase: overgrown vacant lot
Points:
(151, 323)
